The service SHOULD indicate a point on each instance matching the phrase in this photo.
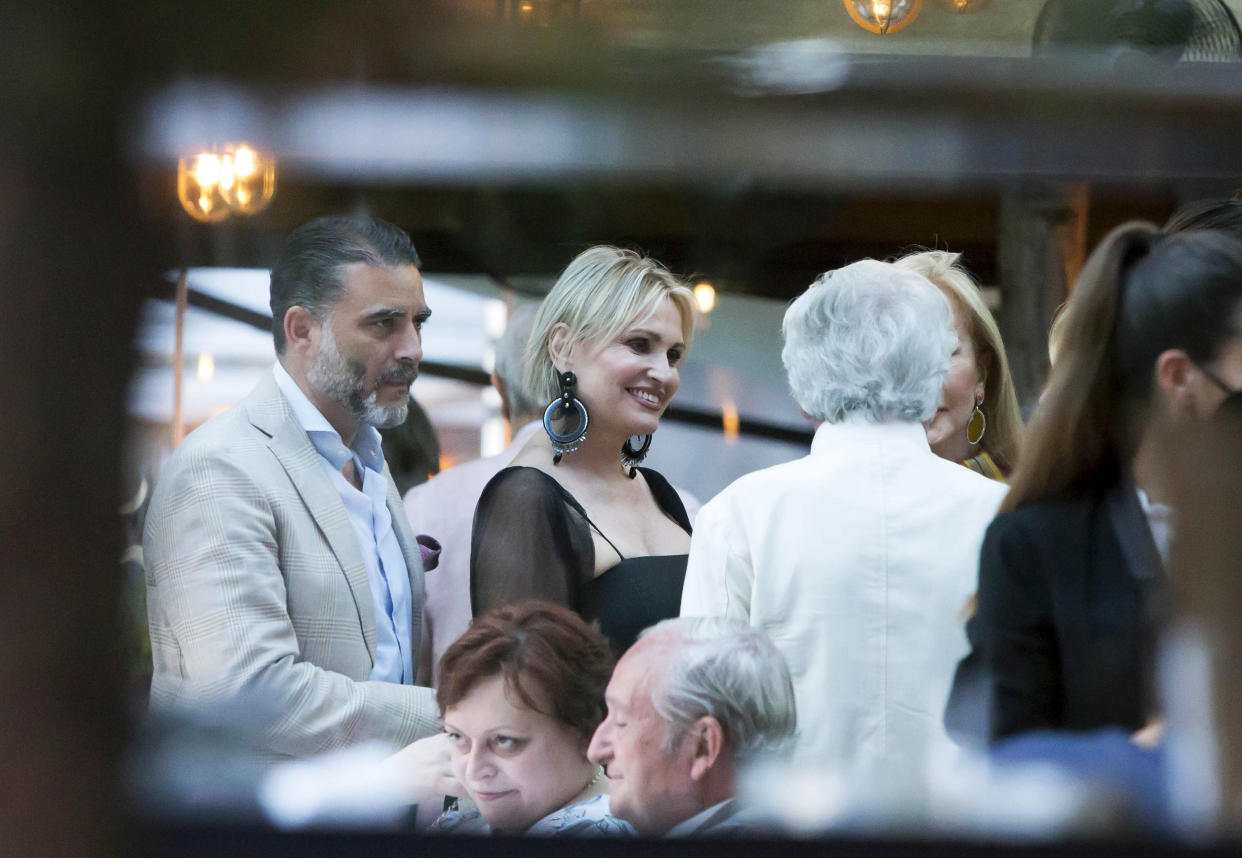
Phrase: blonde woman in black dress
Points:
(575, 520)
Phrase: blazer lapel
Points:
(1144, 564)
(270, 413)
(1133, 532)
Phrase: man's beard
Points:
(343, 380)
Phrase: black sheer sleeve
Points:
(530, 541)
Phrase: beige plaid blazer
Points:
(256, 585)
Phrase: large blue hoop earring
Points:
(559, 409)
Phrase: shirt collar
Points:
(691, 825)
(856, 427)
(1150, 508)
(367, 443)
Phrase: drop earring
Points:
(559, 409)
(978, 423)
(631, 458)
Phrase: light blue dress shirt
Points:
(372, 522)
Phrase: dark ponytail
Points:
(1140, 294)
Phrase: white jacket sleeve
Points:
(719, 577)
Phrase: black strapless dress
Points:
(532, 540)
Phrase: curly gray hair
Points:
(869, 339)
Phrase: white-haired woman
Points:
(977, 421)
(574, 520)
(856, 560)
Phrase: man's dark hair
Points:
(308, 273)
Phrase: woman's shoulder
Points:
(1049, 526)
(667, 498)
(661, 489)
(1066, 509)
(591, 817)
(522, 484)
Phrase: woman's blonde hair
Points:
(1003, 436)
(601, 293)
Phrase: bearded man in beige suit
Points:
(279, 561)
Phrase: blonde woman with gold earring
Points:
(978, 422)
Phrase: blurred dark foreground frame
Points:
(208, 843)
(75, 245)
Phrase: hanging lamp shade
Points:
(883, 17)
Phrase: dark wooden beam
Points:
(1041, 247)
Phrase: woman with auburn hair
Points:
(521, 694)
(574, 520)
(977, 422)
(1071, 573)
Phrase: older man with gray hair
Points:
(859, 559)
(690, 702)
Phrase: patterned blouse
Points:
(587, 818)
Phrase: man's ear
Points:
(299, 325)
(1175, 377)
(560, 352)
(707, 744)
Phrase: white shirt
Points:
(856, 561)
(1160, 519)
(372, 522)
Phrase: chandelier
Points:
(233, 178)
(883, 16)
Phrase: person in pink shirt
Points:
(444, 506)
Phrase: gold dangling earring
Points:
(978, 419)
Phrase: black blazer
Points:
(1070, 597)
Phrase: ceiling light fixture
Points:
(233, 178)
(883, 17)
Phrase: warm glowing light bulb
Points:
(226, 173)
(207, 170)
(206, 366)
(729, 419)
(881, 9)
(249, 177)
(705, 297)
(244, 162)
(200, 188)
